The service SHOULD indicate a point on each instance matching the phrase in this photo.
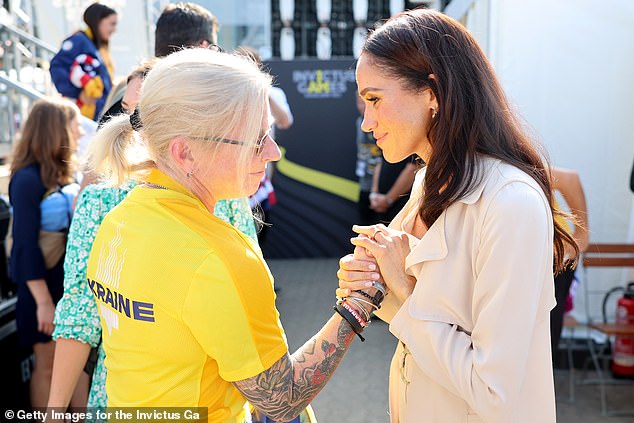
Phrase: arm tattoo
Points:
(290, 384)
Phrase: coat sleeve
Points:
(62, 62)
(512, 264)
(26, 192)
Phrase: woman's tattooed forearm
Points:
(285, 389)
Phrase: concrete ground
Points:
(358, 391)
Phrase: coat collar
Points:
(433, 245)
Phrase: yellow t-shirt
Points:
(186, 304)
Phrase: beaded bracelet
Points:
(375, 303)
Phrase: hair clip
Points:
(135, 120)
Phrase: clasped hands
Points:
(379, 256)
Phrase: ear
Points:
(181, 153)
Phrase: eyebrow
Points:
(365, 90)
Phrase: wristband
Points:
(354, 323)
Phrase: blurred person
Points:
(184, 24)
(180, 25)
(82, 69)
(568, 183)
(41, 172)
(391, 185)
(195, 309)
(468, 262)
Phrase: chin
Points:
(392, 157)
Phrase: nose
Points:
(368, 124)
(271, 151)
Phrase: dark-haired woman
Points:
(42, 165)
(468, 262)
(82, 69)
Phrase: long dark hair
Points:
(46, 139)
(92, 16)
(473, 117)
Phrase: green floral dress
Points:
(76, 314)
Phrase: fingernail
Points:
(369, 284)
(375, 276)
(372, 267)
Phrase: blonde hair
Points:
(47, 139)
(194, 93)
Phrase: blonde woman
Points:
(77, 327)
(186, 301)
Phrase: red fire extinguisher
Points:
(623, 354)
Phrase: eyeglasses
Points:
(258, 146)
(214, 47)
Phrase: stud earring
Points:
(190, 173)
(434, 112)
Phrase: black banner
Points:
(315, 181)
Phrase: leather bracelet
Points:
(349, 317)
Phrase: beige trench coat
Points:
(475, 333)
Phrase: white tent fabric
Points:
(567, 66)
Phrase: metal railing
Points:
(24, 62)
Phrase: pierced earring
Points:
(190, 173)
(434, 112)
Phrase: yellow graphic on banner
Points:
(319, 86)
(336, 185)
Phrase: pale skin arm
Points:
(375, 176)
(568, 183)
(70, 358)
(282, 119)
(44, 303)
(289, 385)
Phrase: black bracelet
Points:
(374, 300)
(352, 321)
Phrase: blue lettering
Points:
(143, 311)
(140, 310)
(91, 283)
(100, 291)
(108, 299)
(124, 303)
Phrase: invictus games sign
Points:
(315, 183)
(323, 83)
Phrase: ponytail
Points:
(117, 154)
